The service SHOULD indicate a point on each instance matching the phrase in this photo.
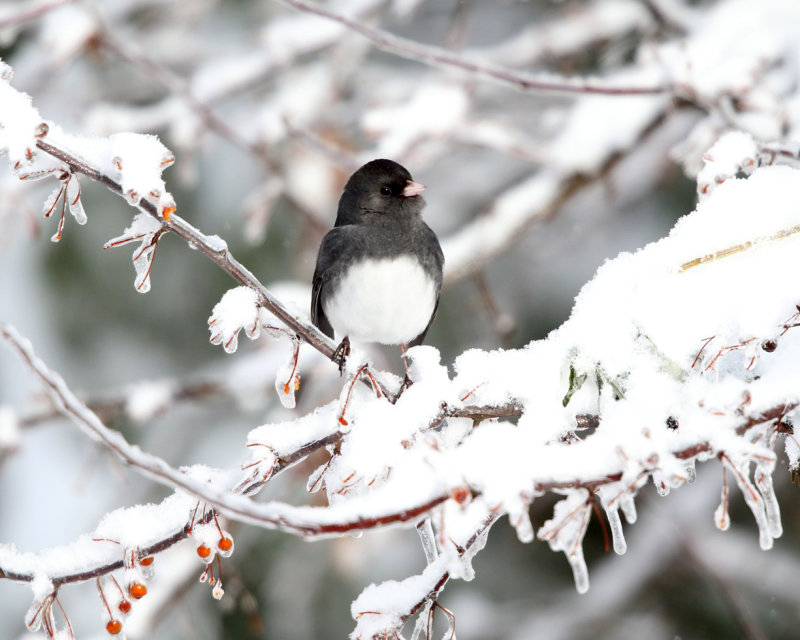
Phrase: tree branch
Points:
(437, 56)
(197, 240)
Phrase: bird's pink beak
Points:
(412, 189)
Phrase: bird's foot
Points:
(340, 355)
(407, 381)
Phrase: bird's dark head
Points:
(380, 187)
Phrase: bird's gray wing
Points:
(330, 263)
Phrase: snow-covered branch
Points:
(212, 247)
(682, 353)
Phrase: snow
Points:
(379, 607)
(597, 127)
(511, 214)
(665, 345)
(735, 151)
(238, 309)
(19, 121)
(139, 160)
(731, 44)
(585, 25)
(433, 110)
(9, 429)
(148, 398)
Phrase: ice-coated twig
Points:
(437, 56)
(218, 254)
(236, 507)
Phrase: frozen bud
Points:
(225, 544)
(132, 196)
(41, 130)
(217, 591)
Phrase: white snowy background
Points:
(641, 155)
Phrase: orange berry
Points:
(203, 551)
(146, 562)
(225, 544)
(114, 627)
(137, 590)
(286, 389)
(124, 606)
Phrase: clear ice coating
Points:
(522, 525)
(614, 522)
(565, 532)
(287, 380)
(580, 571)
(628, 506)
(763, 475)
(721, 518)
(754, 500)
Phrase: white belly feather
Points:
(388, 301)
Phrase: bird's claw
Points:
(340, 354)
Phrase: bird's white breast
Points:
(388, 301)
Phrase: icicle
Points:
(661, 483)
(314, 482)
(628, 507)
(422, 622)
(612, 514)
(142, 263)
(691, 472)
(52, 199)
(74, 200)
(565, 532)
(522, 525)
(721, 518)
(580, 571)
(428, 539)
(287, 380)
(33, 617)
(753, 500)
(613, 498)
(764, 482)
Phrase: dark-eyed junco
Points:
(379, 270)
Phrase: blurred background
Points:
(268, 110)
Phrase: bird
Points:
(378, 274)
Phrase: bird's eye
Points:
(386, 191)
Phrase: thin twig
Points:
(431, 55)
(31, 12)
(197, 240)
